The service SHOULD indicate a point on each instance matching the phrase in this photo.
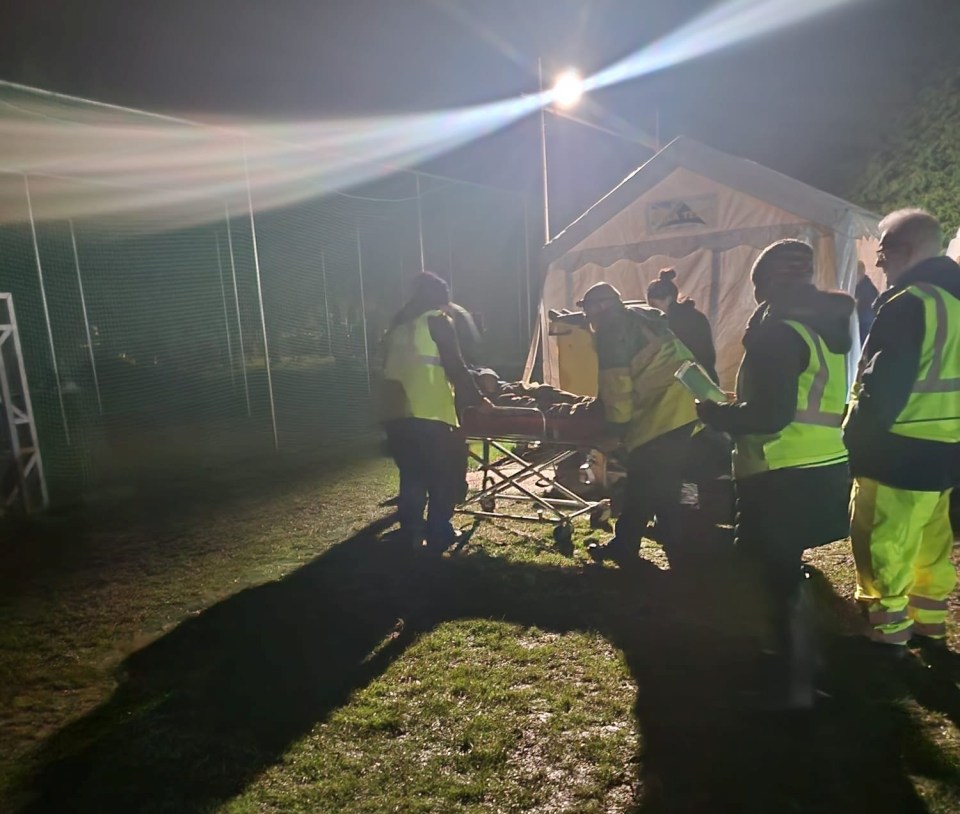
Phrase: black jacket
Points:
(865, 294)
(693, 329)
(775, 356)
(888, 371)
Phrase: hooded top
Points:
(693, 329)
(775, 356)
(888, 372)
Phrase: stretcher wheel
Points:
(600, 515)
(488, 504)
(563, 537)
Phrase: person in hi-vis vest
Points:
(903, 433)
(424, 379)
(790, 464)
(648, 411)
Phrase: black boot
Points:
(789, 680)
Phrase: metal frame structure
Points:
(29, 486)
(513, 479)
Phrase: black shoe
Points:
(402, 537)
(611, 552)
(919, 642)
(937, 655)
(882, 651)
(440, 547)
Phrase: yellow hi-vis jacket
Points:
(932, 412)
(814, 437)
(413, 361)
(636, 382)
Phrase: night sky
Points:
(811, 101)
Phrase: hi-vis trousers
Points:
(902, 542)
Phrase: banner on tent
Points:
(678, 213)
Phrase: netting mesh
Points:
(156, 336)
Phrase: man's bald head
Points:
(907, 237)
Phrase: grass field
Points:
(250, 641)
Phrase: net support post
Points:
(236, 300)
(86, 319)
(363, 311)
(226, 318)
(263, 319)
(46, 310)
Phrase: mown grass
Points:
(250, 641)
(477, 716)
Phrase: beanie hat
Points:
(786, 261)
(599, 292)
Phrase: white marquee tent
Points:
(708, 215)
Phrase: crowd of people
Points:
(799, 436)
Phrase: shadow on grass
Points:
(202, 711)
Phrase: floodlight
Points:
(568, 89)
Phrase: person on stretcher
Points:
(534, 395)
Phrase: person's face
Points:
(762, 289)
(600, 314)
(894, 256)
(659, 302)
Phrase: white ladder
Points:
(21, 476)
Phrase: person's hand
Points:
(708, 411)
(607, 445)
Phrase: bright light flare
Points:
(85, 161)
(722, 26)
(102, 162)
(567, 90)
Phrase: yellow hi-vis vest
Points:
(932, 412)
(814, 437)
(413, 360)
(646, 393)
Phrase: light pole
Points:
(566, 92)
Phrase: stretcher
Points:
(515, 485)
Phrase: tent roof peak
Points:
(740, 174)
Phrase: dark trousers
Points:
(432, 459)
(784, 512)
(779, 515)
(654, 476)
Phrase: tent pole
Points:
(714, 303)
(526, 264)
(86, 321)
(532, 353)
(543, 156)
(423, 265)
(236, 299)
(449, 254)
(46, 310)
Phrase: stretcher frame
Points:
(499, 481)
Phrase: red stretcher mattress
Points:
(583, 427)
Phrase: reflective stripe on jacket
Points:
(932, 412)
(814, 437)
(413, 360)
